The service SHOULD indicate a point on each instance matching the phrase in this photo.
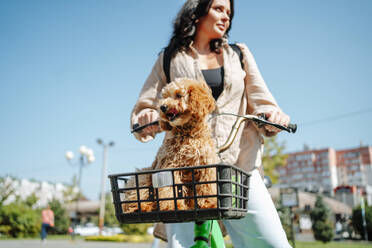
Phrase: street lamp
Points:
(102, 202)
(86, 157)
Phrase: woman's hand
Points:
(277, 117)
(146, 118)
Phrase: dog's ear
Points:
(201, 99)
(165, 126)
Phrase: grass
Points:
(148, 239)
(122, 238)
(50, 236)
(327, 245)
(332, 245)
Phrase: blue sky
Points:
(70, 72)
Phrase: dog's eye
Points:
(178, 95)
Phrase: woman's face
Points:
(217, 21)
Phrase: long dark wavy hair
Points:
(184, 27)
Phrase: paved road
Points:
(70, 244)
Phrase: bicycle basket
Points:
(230, 194)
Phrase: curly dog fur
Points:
(184, 106)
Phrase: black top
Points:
(214, 78)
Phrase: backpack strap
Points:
(166, 64)
(239, 52)
(167, 60)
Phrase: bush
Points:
(321, 227)
(358, 222)
(139, 229)
(19, 220)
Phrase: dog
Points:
(183, 108)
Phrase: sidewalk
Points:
(71, 244)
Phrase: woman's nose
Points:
(225, 17)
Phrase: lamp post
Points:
(102, 202)
(86, 157)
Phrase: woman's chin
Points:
(218, 34)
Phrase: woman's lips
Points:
(221, 27)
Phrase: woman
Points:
(199, 50)
(47, 221)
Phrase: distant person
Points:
(47, 221)
(338, 228)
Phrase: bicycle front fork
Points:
(205, 231)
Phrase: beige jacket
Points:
(245, 92)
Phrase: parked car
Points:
(90, 229)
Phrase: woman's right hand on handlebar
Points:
(277, 117)
(146, 118)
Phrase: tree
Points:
(285, 219)
(321, 227)
(273, 157)
(110, 217)
(6, 189)
(61, 218)
(358, 222)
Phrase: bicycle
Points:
(232, 192)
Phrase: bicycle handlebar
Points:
(137, 128)
(259, 120)
(262, 120)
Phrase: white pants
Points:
(260, 228)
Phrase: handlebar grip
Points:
(292, 127)
(137, 128)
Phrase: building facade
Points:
(327, 169)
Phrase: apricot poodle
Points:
(184, 107)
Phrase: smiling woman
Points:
(198, 49)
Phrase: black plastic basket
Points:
(232, 196)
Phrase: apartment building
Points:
(354, 166)
(325, 169)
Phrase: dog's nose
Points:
(163, 108)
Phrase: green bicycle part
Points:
(201, 233)
(204, 231)
(217, 240)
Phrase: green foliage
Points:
(19, 220)
(140, 229)
(273, 157)
(30, 200)
(61, 218)
(110, 218)
(5, 190)
(285, 219)
(321, 227)
(358, 222)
